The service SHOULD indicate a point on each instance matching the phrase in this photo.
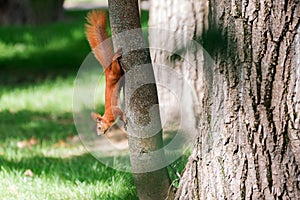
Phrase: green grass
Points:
(38, 65)
(61, 166)
(33, 53)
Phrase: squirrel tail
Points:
(97, 36)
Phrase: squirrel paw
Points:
(119, 113)
(118, 54)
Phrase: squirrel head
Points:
(102, 126)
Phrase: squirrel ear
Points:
(97, 117)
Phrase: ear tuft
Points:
(97, 117)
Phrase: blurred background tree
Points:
(30, 11)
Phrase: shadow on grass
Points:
(77, 169)
(65, 164)
(83, 168)
(36, 52)
(41, 125)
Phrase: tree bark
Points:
(248, 140)
(17, 12)
(141, 101)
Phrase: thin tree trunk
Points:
(140, 101)
(248, 145)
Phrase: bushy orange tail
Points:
(98, 37)
(102, 48)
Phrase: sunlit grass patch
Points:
(59, 45)
(37, 135)
(79, 177)
(49, 96)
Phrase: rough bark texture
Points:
(139, 100)
(30, 11)
(248, 146)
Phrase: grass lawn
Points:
(41, 156)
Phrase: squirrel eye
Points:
(99, 127)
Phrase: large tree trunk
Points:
(145, 144)
(30, 11)
(248, 143)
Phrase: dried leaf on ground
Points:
(29, 173)
(27, 143)
(60, 143)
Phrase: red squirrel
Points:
(96, 34)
